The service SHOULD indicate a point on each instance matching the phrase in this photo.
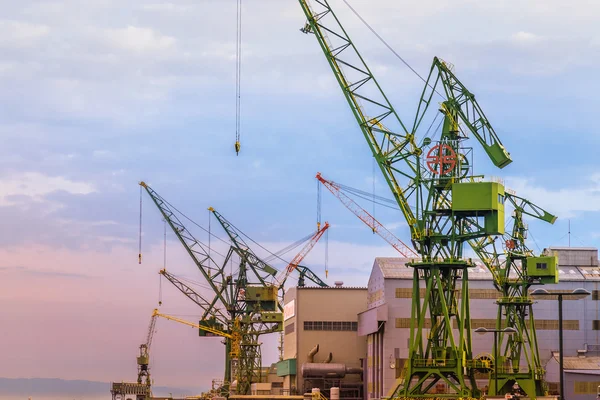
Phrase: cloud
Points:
(564, 202)
(167, 7)
(21, 34)
(36, 185)
(526, 37)
(139, 39)
(50, 273)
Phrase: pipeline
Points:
(311, 354)
(328, 359)
(322, 370)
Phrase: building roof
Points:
(581, 363)
(395, 268)
(572, 248)
(583, 371)
(331, 287)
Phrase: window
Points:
(500, 198)
(596, 325)
(331, 326)
(542, 266)
(289, 328)
(595, 294)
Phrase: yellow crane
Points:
(235, 335)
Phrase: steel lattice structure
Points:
(445, 206)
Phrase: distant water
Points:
(54, 397)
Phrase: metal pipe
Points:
(323, 370)
(312, 352)
(332, 370)
(560, 344)
(328, 359)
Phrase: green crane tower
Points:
(518, 268)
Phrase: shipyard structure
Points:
(357, 339)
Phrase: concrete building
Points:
(582, 376)
(386, 321)
(321, 348)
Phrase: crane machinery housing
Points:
(445, 205)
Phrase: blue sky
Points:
(96, 98)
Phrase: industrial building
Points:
(321, 346)
(385, 323)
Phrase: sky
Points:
(97, 97)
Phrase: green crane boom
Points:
(460, 105)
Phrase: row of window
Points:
(492, 294)
(540, 324)
(407, 293)
(585, 387)
(330, 326)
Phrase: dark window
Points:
(330, 326)
(290, 329)
(596, 325)
(541, 266)
(595, 294)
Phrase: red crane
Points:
(368, 219)
(293, 265)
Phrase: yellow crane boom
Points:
(235, 336)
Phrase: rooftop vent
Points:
(338, 283)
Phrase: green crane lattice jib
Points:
(305, 272)
(528, 208)
(460, 104)
(389, 140)
(193, 246)
(207, 306)
(243, 249)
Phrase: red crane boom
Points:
(283, 275)
(368, 219)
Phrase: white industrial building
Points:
(385, 323)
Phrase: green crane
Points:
(519, 269)
(245, 303)
(443, 204)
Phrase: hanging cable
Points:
(390, 48)
(374, 162)
(140, 235)
(209, 257)
(534, 241)
(160, 290)
(196, 224)
(238, 76)
(165, 245)
(289, 248)
(318, 205)
(326, 253)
